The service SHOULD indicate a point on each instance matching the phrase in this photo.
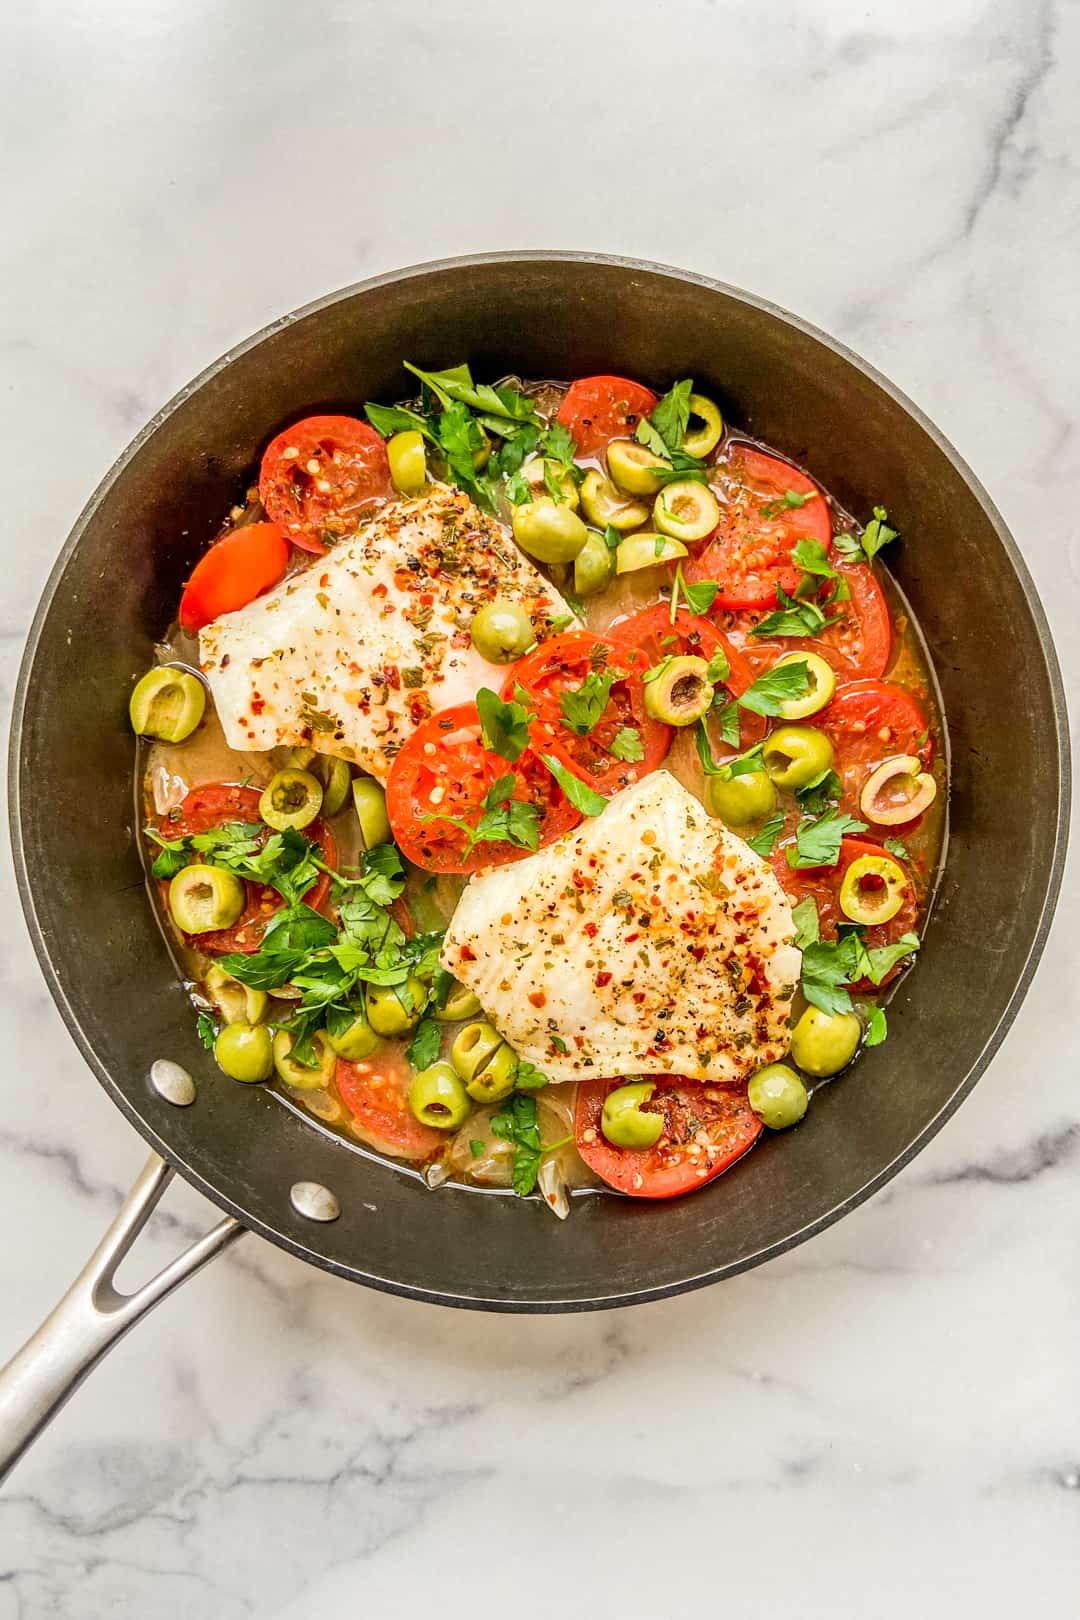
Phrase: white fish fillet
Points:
(351, 655)
(650, 941)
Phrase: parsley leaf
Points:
(700, 597)
(671, 415)
(728, 718)
(552, 483)
(518, 489)
(819, 794)
(827, 966)
(878, 962)
(612, 537)
(476, 1147)
(206, 1030)
(877, 1027)
(423, 1049)
(581, 796)
(504, 726)
(792, 618)
(764, 842)
(517, 1123)
(811, 557)
(527, 1077)
(511, 454)
(505, 819)
(456, 385)
(877, 533)
(776, 686)
(559, 444)
(790, 501)
(817, 843)
(627, 745)
(390, 419)
(807, 924)
(583, 709)
(896, 848)
(718, 669)
(740, 765)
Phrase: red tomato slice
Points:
(706, 1128)
(212, 805)
(599, 409)
(235, 570)
(749, 554)
(376, 1093)
(823, 883)
(320, 475)
(868, 722)
(649, 636)
(560, 666)
(445, 770)
(857, 647)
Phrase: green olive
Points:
(390, 1013)
(245, 1052)
(550, 533)
(822, 679)
(633, 468)
(300, 758)
(369, 802)
(625, 1122)
(606, 506)
(356, 1041)
(872, 889)
(167, 703)
(333, 774)
(742, 800)
(824, 1043)
(533, 473)
(203, 899)
(594, 565)
(482, 456)
(502, 631)
(777, 1096)
(408, 468)
(682, 693)
(496, 1079)
(437, 1097)
(484, 1061)
(646, 550)
(686, 511)
(237, 1003)
(699, 441)
(299, 1075)
(291, 799)
(460, 1004)
(795, 755)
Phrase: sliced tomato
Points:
(445, 770)
(319, 477)
(376, 1093)
(235, 570)
(214, 804)
(857, 646)
(823, 884)
(599, 409)
(750, 552)
(869, 721)
(561, 666)
(650, 636)
(706, 1128)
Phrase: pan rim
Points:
(637, 1295)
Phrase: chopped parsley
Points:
(206, 1029)
(807, 923)
(876, 534)
(817, 843)
(778, 685)
(505, 726)
(627, 745)
(819, 794)
(897, 849)
(581, 796)
(584, 708)
(790, 501)
(423, 1049)
(505, 819)
(764, 842)
(793, 618)
(877, 1027)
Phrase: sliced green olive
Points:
(484, 1061)
(167, 703)
(203, 899)
(437, 1097)
(496, 1079)
(822, 684)
(237, 1003)
(632, 468)
(686, 511)
(698, 441)
(315, 1078)
(646, 550)
(550, 533)
(625, 1122)
(872, 889)
(594, 565)
(290, 799)
(460, 1004)
(369, 802)
(391, 1013)
(300, 758)
(743, 800)
(245, 1052)
(533, 473)
(356, 1041)
(682, 693)
(607, 506)
(408, 466)
(502, 631)
(824, 1043)
(332, 773)
(897, 791)
(795, 755)
(777, 1096)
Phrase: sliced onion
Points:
(909, 789)
(554, 1186)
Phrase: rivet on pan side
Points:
(314, 1201)
(172, 1082)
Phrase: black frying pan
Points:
(72, 809)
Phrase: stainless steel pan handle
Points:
(91, 1317)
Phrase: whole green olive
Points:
(550, 533)
(502, 631)
(777, 1096)
(203, 899)
(625, 1122)
(303, 1076)
(245, 1052)
(408, 466)
(356, 1041)
(437, 1097)
(824, 1043)
(369, 802)
(742, 800)
(795, 755)
(391, 1013)
(594, 565)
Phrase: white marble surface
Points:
(885, 1422)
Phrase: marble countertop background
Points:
(884, 1422)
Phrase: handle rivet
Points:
(172, 1082)
(314, 1201)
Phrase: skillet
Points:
(112, 593)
